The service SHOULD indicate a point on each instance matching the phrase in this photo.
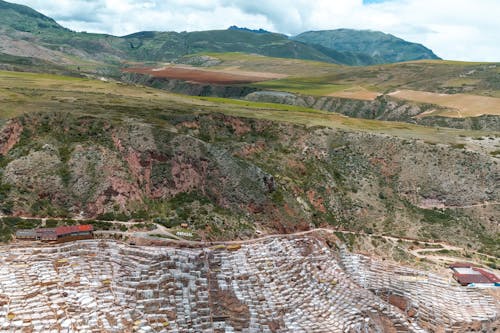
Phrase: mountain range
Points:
(26, 32)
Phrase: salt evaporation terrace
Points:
(274, 285)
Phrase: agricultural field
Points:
(359, 93)
(260, 63)
(201, 75)
(464, 105)
(320, 78)
(456, 89)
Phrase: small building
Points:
(466, 274)
(27, 234)
(46, 234)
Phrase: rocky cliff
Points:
(382, 108)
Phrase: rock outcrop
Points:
(382, 108)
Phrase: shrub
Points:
(51, 223)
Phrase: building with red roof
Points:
(492, 277)
(466, 274)
(73, 229)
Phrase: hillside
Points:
(367, 47)
(23, 18)
(428, 92)
(162, 46)
(72, 146)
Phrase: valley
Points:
(246, 181)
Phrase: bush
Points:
(277, 197)
(459, 146)
(140, 215)
(492, 265)
(51, 223)
(188, 197)
(436, 217)
(168, 223)
(9, 225)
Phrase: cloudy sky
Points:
(453, 29)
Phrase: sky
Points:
(454, 29)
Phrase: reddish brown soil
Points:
(199, 75)
(9, 136)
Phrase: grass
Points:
(465, 105)
(444, 252)
(302, 86)
(439, 76)
(461, 82)
(253, 62)
(116, 102)
(162, 236)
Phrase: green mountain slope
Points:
(39, 31)
(43, 38)
(380, 47)
(23, 18)
(159, 46)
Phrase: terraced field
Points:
(275, 285)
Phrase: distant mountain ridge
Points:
(381, 47)
(257, 31)
(43, 38)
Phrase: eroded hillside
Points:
(230, 175)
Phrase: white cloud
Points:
(454, 29)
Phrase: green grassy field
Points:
(254, 62)
(303, 86)
(28, 92)
(317, 78)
